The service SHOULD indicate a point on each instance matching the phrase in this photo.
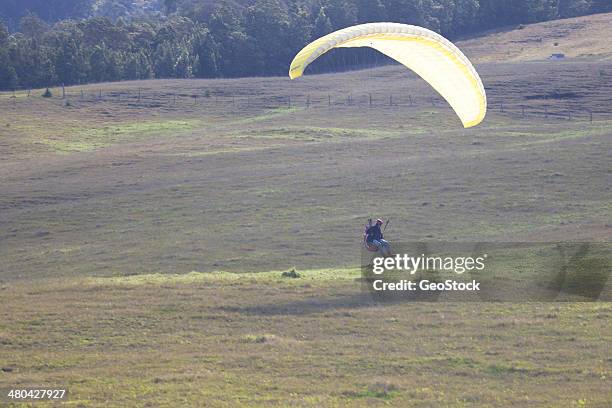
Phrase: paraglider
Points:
(428, 54)
(373, 238)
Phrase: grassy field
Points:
(143, 240)
(260, 339)
(581, 38)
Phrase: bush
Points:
(258, 338)
(291, 274)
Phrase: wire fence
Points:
(556, 109)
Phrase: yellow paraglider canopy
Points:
(431, 56)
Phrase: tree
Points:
(236, 51)
(222, 38)
(68, 58)
(267, 24)
(114, 9)
(601, 6)
(8, 76)
(101, 30)
(540, 10)
(103, 64)
(322, 25)
(4, 35)
(207, 52)
(341, 13)
(31, 61)
(32, 26)
(370, 11)
(137, 65)
(407, 11)
(170, 6)
(48, 10)
(573, 8)
(300, 26)
(173, 49)
(465, 15)
(440, 17)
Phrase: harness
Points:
(368, 246)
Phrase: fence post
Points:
(370, 97)
(195, 99)
(569, 114)
(390, 100)
(100, 94)
(307, 101)
(523, 110)
(174, 97)
(546, 111)
(590, 116)
(138, 94)
(82, 95)
(29, 90)
(501, 106)
(410, 99)
(289, 101)
(328, 100)
(63, 92)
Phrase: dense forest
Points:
(50, 42)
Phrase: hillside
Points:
(200, 40)
(146, 228)
(581, 37)
(108, 203)
(292, 166)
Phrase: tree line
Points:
(207, 39)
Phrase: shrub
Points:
(291, 274)
(258, 338)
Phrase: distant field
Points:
(142, 239)
(581, 37)
(246, 180)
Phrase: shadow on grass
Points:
(304, 307)
(326, 304)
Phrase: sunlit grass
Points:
(314, 275)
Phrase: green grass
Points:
(262, 340)
(92, 138)
(325, 134)
(144, 243)
(268, 114)
(308, 276)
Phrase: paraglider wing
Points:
(431, 56)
